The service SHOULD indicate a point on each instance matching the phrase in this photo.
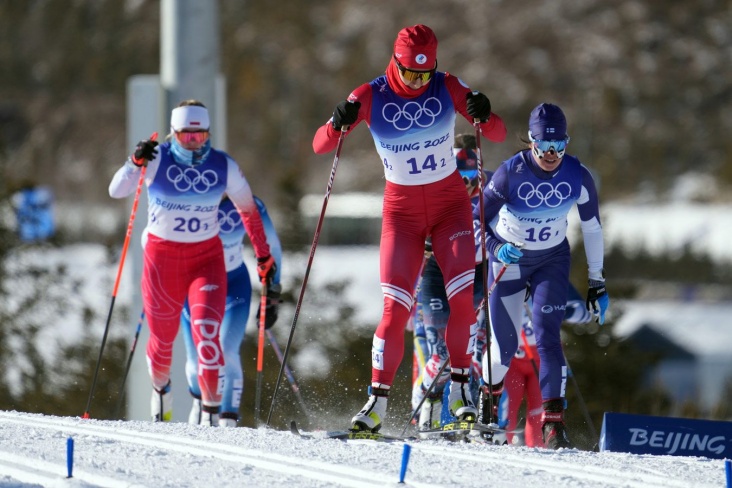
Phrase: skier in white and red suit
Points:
(183, 255)
(411, 112)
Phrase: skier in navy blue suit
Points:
(525, 209)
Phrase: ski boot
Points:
(485, 415)
(431, 413)
(194, 417)
(161, 404)
(228, 419)
(554, 431)
(210, 415)
(460, 401)
(371, 416)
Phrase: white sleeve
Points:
(237, 188)
(594, 247)
(126, 178)
(124, 181)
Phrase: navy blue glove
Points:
(508, 253)
(345, 113)
(598, 299)
(478, 106)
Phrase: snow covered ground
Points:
(33, 447)
(33, 452)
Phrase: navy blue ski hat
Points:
(547, 123)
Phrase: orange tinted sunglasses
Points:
(198, 137)
(413, 75)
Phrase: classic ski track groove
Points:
(340, 474)
(43, 472)
(504, 456)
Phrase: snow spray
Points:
(405, 461)
(70, 456)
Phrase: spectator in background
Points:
(33, 206)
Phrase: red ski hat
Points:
(416, 48)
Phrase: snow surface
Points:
(33, 452)
(107, 453)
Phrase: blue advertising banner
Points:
(666, 436)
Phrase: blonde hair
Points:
(191, 102)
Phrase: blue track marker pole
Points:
(70, 456)
(405, 461)
(728, 470)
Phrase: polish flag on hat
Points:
(189, 117)
(416, 48)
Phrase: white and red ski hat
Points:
(416, 48)
(189, 117)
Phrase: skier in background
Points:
(411, 113)
(434, 305)
(527, 202)
(238, 302)
(183, 256)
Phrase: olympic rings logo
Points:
(192, 179)
(544, 194)
(229, 221)
(403, 118)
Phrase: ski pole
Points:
(260, 350)
(484, 261)
(288, 373)
(129, 362)
(130, 224)
(581, 400)
(329, 188)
